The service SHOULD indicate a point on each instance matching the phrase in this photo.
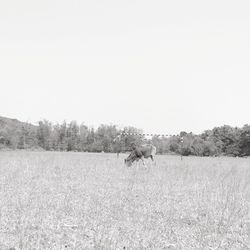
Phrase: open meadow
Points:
(58, 200)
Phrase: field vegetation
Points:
(58, 200)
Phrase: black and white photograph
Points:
(124, 125)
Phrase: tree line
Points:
(224, 140)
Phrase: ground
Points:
(53, 200)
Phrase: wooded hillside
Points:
(224, 140)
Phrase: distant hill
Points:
(4, 121)
(16, 134)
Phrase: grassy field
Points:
(52, 200)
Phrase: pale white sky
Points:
(163, 66)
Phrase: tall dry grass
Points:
(54, 200)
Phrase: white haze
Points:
(163, 66)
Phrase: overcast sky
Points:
(163, 66)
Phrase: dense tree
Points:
(63, 137)
(73, 137)
(162, 144)
(224, 140)
(83, 135)
(27, 137)
(44, 134)
(244, 141)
